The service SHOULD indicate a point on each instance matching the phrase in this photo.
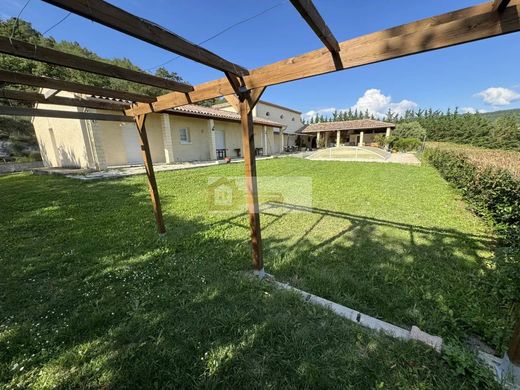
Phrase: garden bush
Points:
(409, 130)
(494, 193)
(404, 144)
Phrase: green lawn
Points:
(91, 297)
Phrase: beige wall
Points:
(200, 136)
(114, 144)
(288, 118)
(63, 142)
(98, 144)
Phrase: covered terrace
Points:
(357, 132)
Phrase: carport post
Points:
(248, 141)
(150, 174)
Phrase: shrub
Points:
(381, 140)
(410, 130)
(404, 144)
(494, 193)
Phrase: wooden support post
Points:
(148, 165)
(248, 142)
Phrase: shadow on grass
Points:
(91, 297)
(441, 280)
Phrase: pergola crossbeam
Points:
(453, 28)
(35, 97)
(8, 77)
(24, 111)
(123, 21)
(500, 5)
(315, 21)
(31, 51)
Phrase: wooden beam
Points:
(45, 82)
(500, 5)
(315, 21)
(233, 101)
(39, 53)
(35, 97)
(453, 28)
(150, 174)
(253, 97)
(24, 111)
(120, 20)
(248, 145)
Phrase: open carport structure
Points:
(355, 132)
(240, 86)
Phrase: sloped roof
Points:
(356, 124)
(209, 112)
(226, 104)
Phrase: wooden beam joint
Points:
(500, 5)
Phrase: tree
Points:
(409, 130)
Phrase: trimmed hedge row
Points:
(494, 193)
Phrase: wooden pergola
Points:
(240, 86)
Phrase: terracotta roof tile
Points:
(209, 112)
(357, 124)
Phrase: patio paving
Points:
(124, 171)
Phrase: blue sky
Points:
(482, 75)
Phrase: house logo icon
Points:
(224, 195)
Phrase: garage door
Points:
(132, 144)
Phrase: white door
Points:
(220, 140)
(132, 144)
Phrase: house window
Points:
(292, 119)
(267, 113)
(184, 135)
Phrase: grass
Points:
(91, 297)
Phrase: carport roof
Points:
(357, 124)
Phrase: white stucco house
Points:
(187, 133)
(289, 118)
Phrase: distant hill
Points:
(493, 116)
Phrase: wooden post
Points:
(148, 165)
(248, 142)
(514, 346)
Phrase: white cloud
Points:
(323, 111)
(472, 110)
(499, 96)
(378, 104)
(372, 100)
(468, 110)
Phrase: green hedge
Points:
(494, 193)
